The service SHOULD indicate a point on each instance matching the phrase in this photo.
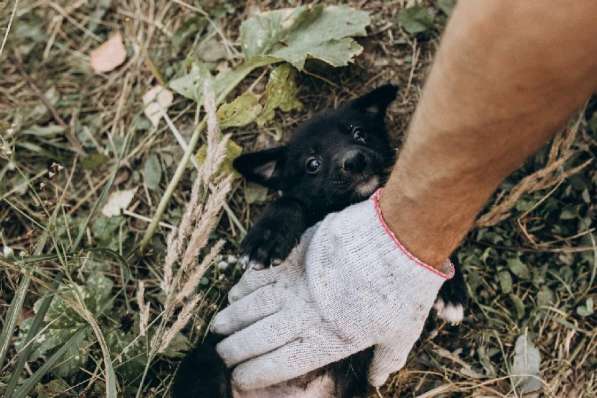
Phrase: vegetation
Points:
(120, 216)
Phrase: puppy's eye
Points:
(312, 165)
(359, 135)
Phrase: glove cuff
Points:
(446, 270)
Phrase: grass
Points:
(70, 281)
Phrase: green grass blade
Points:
(36, 325)
(11, 320)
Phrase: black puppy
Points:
(336, 158)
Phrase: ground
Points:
(110, 319)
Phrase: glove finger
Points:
(292, 266)
(387, 359)
(261, 337)
(292, 360)
(251, 281)
(248, 310)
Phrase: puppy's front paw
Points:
(265, 246)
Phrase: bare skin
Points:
(507, 76)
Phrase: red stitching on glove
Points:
(375, 198)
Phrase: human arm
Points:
(506, 77)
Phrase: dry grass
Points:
(59, 122)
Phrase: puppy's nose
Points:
(354, 162)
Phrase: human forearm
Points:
(506, 77)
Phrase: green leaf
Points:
(233, 150)
(518, 306)
(255, 193)
(569, 213)
(177, 348)
(190, 85)
(526, 365)
(505, 281)
(280, 92)
(416, 19)
(75, 355)
(293, 35)
(104, 230)
(45, 131)
(34, 380)
(189, 29)
(152, 171)
(94, 161)
(55, 388)
(545, 296)
(446, 6)
(593, 122)
(518, 268)
(586, 309)
(240, 112)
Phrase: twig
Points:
(12, 17)
(146, 219)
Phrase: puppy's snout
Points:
(354, 162)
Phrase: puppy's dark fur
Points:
(337, 158)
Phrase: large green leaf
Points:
(293, 35)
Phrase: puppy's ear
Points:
(262, 167)
(377, 101)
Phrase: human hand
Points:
(349, 285)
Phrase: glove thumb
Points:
(387, 359)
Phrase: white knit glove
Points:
(348, 286)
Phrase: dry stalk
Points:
(143, 309)
(172, 254)
(216, 144)
(196, 275)
(183, 318)
(206, 223)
